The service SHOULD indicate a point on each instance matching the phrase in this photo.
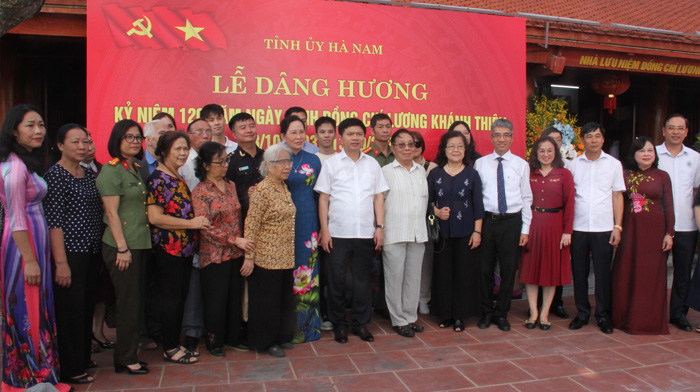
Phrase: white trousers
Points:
(402, 273)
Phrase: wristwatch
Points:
(379, 226)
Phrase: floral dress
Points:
(301, 181)
(29, 347)
(174, 196)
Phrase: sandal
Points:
(530, 324)
(147, 344)
(448, 322)
(192, 353)
(91, 365)
(83, 379)
(104, 345)
(185, 359)
(459, 326)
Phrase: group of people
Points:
(263, 249)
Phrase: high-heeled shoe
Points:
(137, 372)
(107, 346)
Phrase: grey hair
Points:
(149, 129)
(502, 123)
(271, 154)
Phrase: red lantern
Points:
(610, 84)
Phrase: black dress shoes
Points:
(605, 326)
(681, 322)
(503, 324)
(559, 311)
(485, 321)
(577, 323)
(341, 335)
(364, 334)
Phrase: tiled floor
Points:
(440, 360)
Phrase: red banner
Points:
(424, 68)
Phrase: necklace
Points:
(544, 173)
(447, 169)
(301, 156)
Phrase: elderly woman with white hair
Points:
(270, 225)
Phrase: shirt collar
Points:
(396, 164)
(505, 156)
(343, 155)
(663, 150)
(193, 154)
(603, 155)
(149, 158)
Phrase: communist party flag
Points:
(163, 28)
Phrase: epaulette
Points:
(368, 149)
(113, 162)
(137, 165)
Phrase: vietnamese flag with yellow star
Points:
(162, 27)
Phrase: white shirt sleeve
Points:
(526, 193)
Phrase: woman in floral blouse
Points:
(173, 228)
(221, 261)
(301, 181)
(270, 224)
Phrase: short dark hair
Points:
(189, 126)
(418, 138)
(441, 158)
(351, 122)
(61, 138)
(165, 143)
(591, 127)
(207, 153)
(550, 130)
(294, 109)
(242, 116)
(535, 163)
(165, 115)
(454, 125)
(378, 117)
(674, 115)
(34, 160)
(210, 109)
(402, 131)
(638, 144)
(287, 121)
(115, 138)
(324, 120)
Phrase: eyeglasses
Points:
(454, 147)
(199, 132)
(132, 138)
(405, 145)
(418, 144)
(222, 163)
(284, 162)
(672, 128)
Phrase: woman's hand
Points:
(123, 260)
(32, 273)
(245, 244)
(62, 275)
(565, 240)
(200, 223)
(475, 240)
(442, 213)
(668, 243)
(247, 267)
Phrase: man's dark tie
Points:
(502, 205)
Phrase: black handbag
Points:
(433, 225)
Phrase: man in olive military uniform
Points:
(381, 127)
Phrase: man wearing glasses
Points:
(683, 166)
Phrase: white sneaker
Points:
(326, 326)
(423, 308)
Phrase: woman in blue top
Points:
(455, 198)
(301, 181)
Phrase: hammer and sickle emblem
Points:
(143, 30)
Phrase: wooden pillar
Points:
(659, 108)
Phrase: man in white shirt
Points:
(507, 201)
(325, 135)
(199, 132)
(214, 115)
(597, 225)
(351, 214)
(683, 166)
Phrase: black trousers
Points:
(500, 243)
(271, 315)
(222, 293)
(172, 281)
(456, 288)
(584, 247)
(128, 289)
(357, 253)
(150, 321)
(74, 308)
(323, 282)
(684, 244)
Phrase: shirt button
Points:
(124, 222)
(139, 183)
